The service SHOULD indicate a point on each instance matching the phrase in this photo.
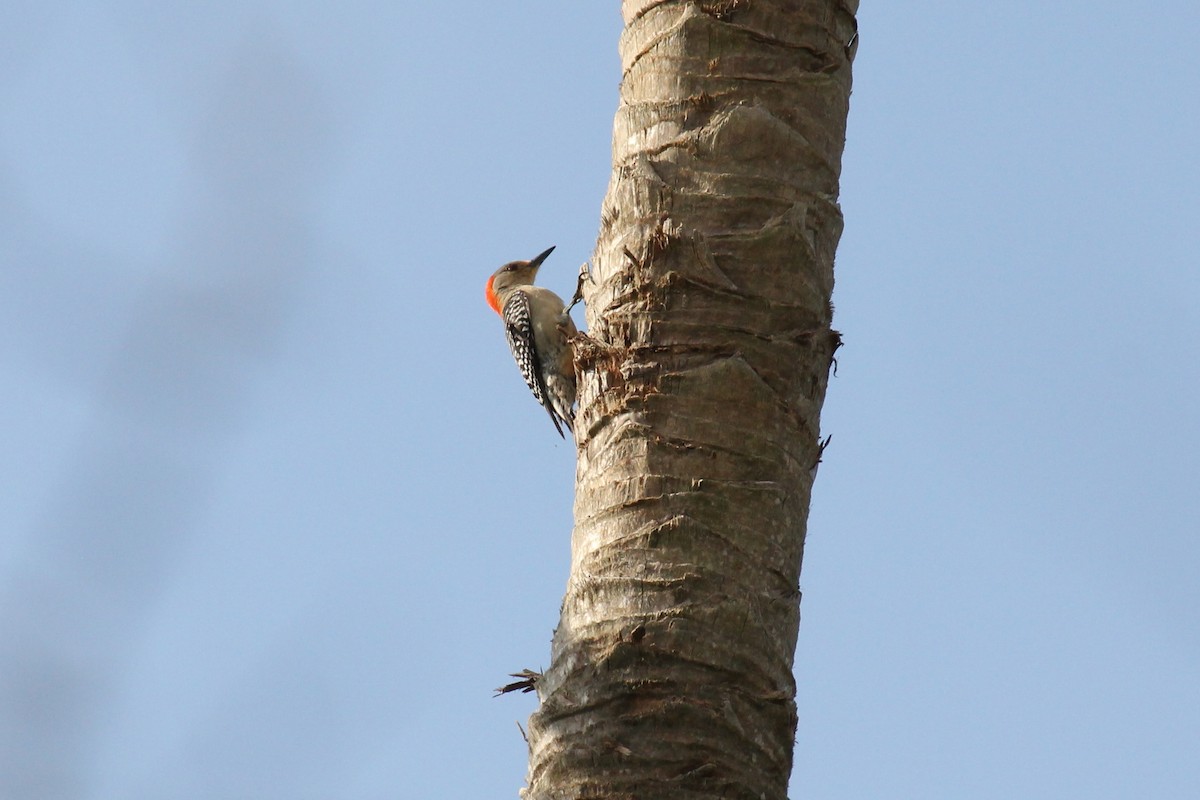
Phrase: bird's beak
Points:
(540, 257)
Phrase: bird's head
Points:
(510, 276)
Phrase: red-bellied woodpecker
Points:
(539, 332)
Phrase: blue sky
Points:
(261, 434)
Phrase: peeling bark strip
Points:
(698, 426)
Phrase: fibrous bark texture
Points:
(698, 427)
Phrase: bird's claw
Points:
(585, 273)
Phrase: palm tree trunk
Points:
(698, 428)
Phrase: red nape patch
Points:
(492, 300)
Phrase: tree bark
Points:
(698, 426)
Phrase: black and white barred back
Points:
(518, 328)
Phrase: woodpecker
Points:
(539, 332)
